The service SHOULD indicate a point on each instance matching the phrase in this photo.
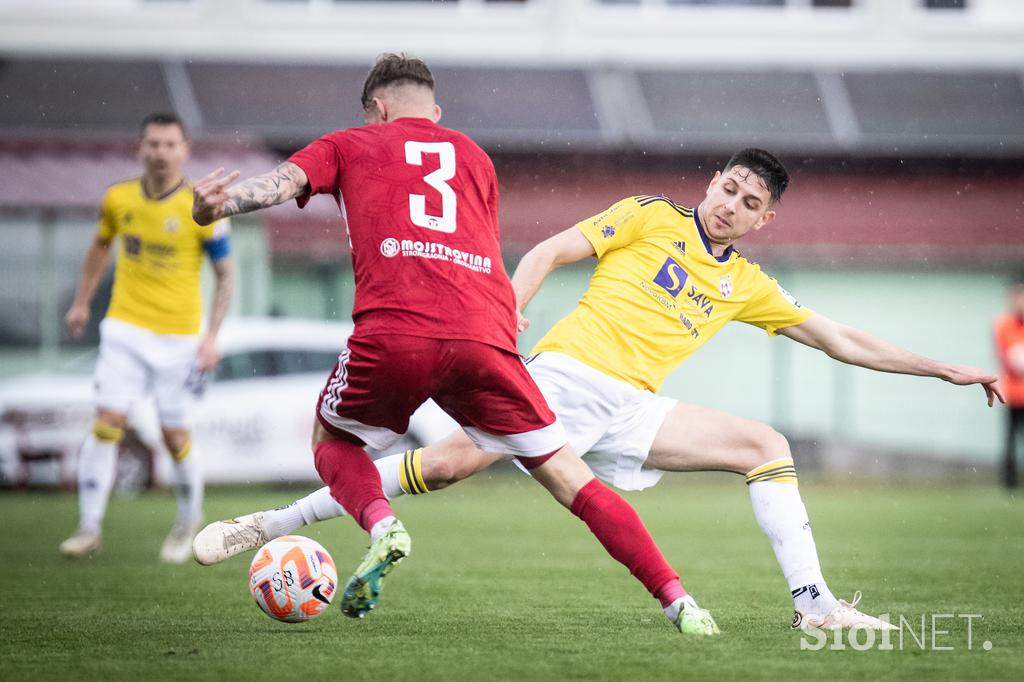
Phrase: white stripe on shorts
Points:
(377, 437)
(542, 441)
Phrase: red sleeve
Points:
(321, 161)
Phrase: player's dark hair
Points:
(395, 69)
(163, 118)
(765, 166)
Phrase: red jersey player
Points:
(435, 317)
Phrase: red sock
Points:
(353, 479)
(619, 528)
(669, 592)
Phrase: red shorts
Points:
(381, 379)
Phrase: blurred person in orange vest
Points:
(1010, 348)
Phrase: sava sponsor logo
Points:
(391, 247)
(701, 300)
(672, 278)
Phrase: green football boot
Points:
(363, 589)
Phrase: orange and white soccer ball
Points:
(293, 579)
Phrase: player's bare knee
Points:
(770, 445)
(320, 434)
(177, 441)
(760, 444)
(440, 470)
(109, 418)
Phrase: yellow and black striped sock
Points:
(180, 455)
(410, 473)
(778, 471)
(105, 433)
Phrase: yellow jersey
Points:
(156, 280)
(658, 294)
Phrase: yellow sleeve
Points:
(773, 308)
(619, 226)
(106, 228)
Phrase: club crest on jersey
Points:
(671, 277)
(171, 225)
(725, 285)
(608, 231)
(390, 247)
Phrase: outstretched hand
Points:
(965, 376)
(209, 196)
(522, 324)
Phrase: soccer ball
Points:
(293, 579)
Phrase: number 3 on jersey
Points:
(445, 151)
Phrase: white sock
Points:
(97, 467)
(390, 475)
(188, 489)
(381, 527)
(672, 610)
(780, 512)
(321, 506)
(285, 520)
(317, 506)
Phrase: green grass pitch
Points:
(503, 584)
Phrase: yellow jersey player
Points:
(668, 278)
(150, 338)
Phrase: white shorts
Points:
(134, 361)
(609, 423)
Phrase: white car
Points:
(253, 423)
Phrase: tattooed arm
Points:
(213, 199)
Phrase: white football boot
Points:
(843, 615)
(178, 544)
(224, 539)
(81, 543)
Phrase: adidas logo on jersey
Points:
(680, 247)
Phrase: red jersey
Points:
(421, 205)
(1010, 341)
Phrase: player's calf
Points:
(454, 459)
